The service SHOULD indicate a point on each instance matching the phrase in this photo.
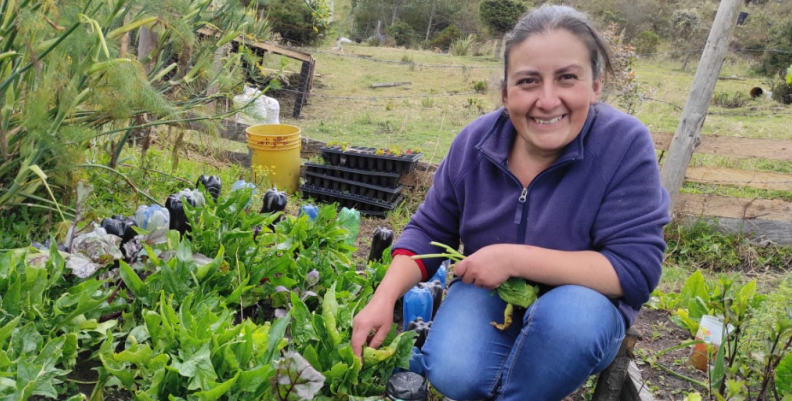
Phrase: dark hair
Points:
(551, 17)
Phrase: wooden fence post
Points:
(688, 132)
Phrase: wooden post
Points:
(302, 95)
(688, 132)
(147, 42)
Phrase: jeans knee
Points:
(457, 382)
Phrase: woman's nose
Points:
(548, 97)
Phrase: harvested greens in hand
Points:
(514, 291)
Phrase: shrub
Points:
(293, 21)
(780, 41)
(402, 33)
(480, 86)
(501, 15)
(782, 92)
(462, 47)
(730, 100)
(446, 37)
(646, 42)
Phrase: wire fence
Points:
(498, 66)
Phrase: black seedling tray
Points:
(364, 205)
(380, 179)
(352, 187)
(366, 159)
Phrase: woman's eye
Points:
(526, 81)
(568, 77)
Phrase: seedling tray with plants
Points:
(383, 194)
(364, 205)
(371, 159)
(377, 178)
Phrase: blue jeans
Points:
(568, 334)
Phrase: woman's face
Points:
(548, 91)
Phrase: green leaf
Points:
(251, 380)
(139, 355)
(218, 391)
(517, 291)
(310, 355)
(694, 287)
(302, 330)
(719, 370)
(132, 280)
(329, 312)
(276, 333)
(5, 331)
(783, 375)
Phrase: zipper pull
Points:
(520, 203)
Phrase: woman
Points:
(554, 188)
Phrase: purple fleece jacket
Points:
(602, 194)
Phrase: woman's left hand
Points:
(488, 267)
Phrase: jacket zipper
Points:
(520, 216)
(521, 205)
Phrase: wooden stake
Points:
(688, 132)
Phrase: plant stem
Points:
(681, 376)
(137, 191)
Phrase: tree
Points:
(778, 54)
(685, 23)
(500, 16)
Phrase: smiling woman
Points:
(556, 189)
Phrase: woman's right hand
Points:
(372, 325)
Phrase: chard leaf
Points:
(783, 375)
(133, 281)
(301, 329)
(694, 287)
(296, 379)
(312, 357)
(137, 354)
(251, 380)
(329, 313)
(198, 367)
(276, 332)
(518, 292)
(219, 390)
(6, 330)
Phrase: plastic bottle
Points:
(244, 184)
(417, 302)
(151, 218)
(421, 328)
(383, 238)
(212, 184)
(436, 288)
(350, 219)
(310, 210)
(406, 386)
(274, 201)
(441, 274)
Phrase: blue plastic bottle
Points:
(441, 273)
(417, 303)
(310, 210)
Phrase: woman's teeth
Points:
(554, 120)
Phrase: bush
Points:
(782, 92)
(446, 37)
(501, 15)
(462, 47)
(730, 100)
(402, 33)
(646, 42)
(779, 58)
(293, 21)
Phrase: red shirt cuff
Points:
(420, 262)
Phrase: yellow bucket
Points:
(276, 148)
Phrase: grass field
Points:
(440, 101)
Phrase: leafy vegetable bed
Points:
(174, 320)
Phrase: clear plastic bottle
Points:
(350, 219)
(151, 218)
